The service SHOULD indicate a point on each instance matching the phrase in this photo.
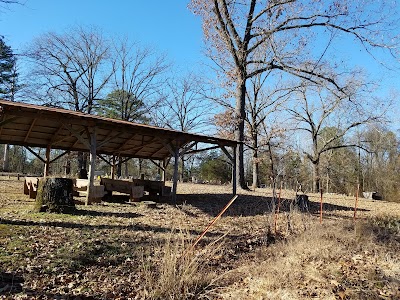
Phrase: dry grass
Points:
(124, 251)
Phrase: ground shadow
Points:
(127, 215)
(10, 283)
(132, 227)
(250, 205)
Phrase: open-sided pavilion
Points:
(54, 128)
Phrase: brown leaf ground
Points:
(127, 251)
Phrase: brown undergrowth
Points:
(126, 251)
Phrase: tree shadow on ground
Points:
(92, 213)
(10, 283)
(131, 227)
(249, 205)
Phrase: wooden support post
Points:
(113, 167)
(234, 174)
(175, 178)
(163, 177)
(92, 165)
(6, 160)
(47, 162)
(163, 170)
(163, 163)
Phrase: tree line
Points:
(301, 114)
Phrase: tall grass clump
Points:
(179, 272)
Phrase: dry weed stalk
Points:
(179, 275)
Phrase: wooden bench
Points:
(134, 191)
(97, 191)
(30, 186)
(153, 187)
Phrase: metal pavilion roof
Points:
(38, 126)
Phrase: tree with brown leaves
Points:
(293, 36)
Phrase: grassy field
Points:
(127, 251)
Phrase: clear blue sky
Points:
(167, 25)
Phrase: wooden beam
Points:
(59, 156)
(187, 148)
(158, 165)
(167, 146)
(103, 159)
(29, 130)
(53, 141)
(226, 153)
(107, 139)
(6, 121)
(157, 151)
(201, 150)
(137, 147)
(126, 142)
(78, 135)
(34, 153)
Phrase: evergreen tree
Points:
(214, 168)
(8, 87)
(7, 69)
(123, 105)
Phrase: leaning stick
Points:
(213, 221)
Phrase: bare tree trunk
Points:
(140, 167)
(126, 169)
(119, 168)
(256, 165)
(327, 182)
(272, 168)
(6, 159)
(239, 132)
(82, 161)
(316, 177)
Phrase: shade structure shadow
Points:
(251, 205)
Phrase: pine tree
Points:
(7, 69)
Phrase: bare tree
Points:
(10, 2)
(185, 107)
(317, 109)
(72, 69)
(138, 81)
(284, 30)
(136, 85)
(4, 4)
(381, 162)
(261, 105)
